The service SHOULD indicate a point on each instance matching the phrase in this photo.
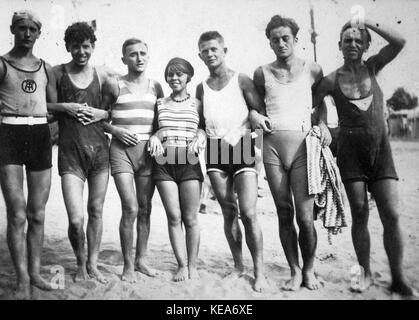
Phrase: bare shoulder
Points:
(258, 76)
(199, 92)
(245, 82)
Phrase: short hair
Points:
(78, 32)
(130, 42)
(179, 64)
(278, 21)
(210, 35)
(364, 32)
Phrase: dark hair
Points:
(79, 32)
(278, 21)
(210, 35)
(364, 32)
(132, 41)
(179, 64)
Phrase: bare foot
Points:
(402, 288)
(236, 273)
(81, 274)
(129, 275)
(260, 284)
(143, 268)
(23, 291)
(181, 274)
(96, 274)
(193, 273)
(365, 283)
(295, 282)
(310, 281)
(40, 283)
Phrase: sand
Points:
(333, 262)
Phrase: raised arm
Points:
(396, 42)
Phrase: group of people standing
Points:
(172, 142)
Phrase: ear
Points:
(11, 30)
(225, 50)
(39, 33)
(93, 46)
(296, 39)
(200, 57)
(123, 60)
(340, 45)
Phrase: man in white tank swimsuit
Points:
(285, 85)
(227, 97)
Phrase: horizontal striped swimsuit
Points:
(133, 111)
(178, 122)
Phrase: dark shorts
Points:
(364, 155)
(83, 161)
(130, 159)
(177, 165)
(232, 160)
(26, 145)
(177, 172)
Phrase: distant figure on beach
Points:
(25, 141)
(177, 171)
(83, 152)
(228, 97)
(286, 87)
(363, 150)
(133, 99)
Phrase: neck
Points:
(78, 68)
(287, 62)
(179, 95)
(136, 77)
(21, 52)
(219, 72)
(352, 65)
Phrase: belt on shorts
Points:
(29, 121)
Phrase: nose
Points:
(27, 33)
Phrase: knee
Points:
(129, 212)
(76, 223)
(305, 222)
(389, 217)
(229, 208)
(191, 221)
(144, 210)
(17, 221)
(95, 210)
(360, 213)
(174, 221)
(285, 212)
(36, 218)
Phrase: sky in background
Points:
(172, 27)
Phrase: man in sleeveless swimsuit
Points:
(364, 154)
(227, 97)
(133, 98)
(25, 140)
(286, 86)
(83, 152)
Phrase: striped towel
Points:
(325, 183)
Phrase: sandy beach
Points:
(333, 262)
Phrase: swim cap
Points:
(26, 14)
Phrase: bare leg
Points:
(386, 196)
(98, 185)
(224, 192)
(145, 190)
(307, 235)
(125, 185)
(358, 201)
(246, 186)
(12, 185)
(39, 183)
(280, 188)
(72, 188)
(189, 202)
(169, 194)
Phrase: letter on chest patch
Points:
(29, 86)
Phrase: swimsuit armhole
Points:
(5, 69)
(45, 69)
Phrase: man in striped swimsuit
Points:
(134, 98)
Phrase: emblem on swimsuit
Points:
(29, 86)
